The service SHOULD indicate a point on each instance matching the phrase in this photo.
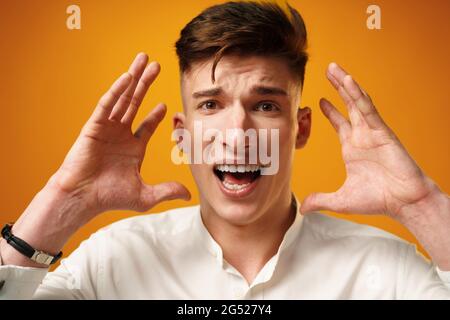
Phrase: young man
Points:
(242, 67)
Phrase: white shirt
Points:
(171, 255)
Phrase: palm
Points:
(381, 176)
(106, 157)
(104, 163)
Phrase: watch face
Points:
(42, 258)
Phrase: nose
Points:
(237, 123)
(238, 117)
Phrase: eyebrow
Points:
(268, 91)
(208, 93)
(260, 90)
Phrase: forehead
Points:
(238, 73)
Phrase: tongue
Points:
(238, 177)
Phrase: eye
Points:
(208, 105)
(267, 107)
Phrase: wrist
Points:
(429, 221)
(432, 208)
(46, 224)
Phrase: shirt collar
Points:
(206, 239)
(267, 271)
(214, 248)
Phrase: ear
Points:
(304, 127)
(178, 123)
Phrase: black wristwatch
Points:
(27, 250)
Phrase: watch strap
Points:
(27, 250)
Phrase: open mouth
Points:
(237, 179)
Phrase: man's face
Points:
(248, 93)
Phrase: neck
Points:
(249, 247)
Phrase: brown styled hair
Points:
(245, 28)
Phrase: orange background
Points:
(51, 78)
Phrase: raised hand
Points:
(102, 168)
(382, 178)
(101, 171)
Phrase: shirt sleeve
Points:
(75, 278)
(20, 282)
(420, 278)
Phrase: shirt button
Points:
(2, 283)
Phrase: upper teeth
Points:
(237, 168)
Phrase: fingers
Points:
(322, 201)
(136, 69)
(354, 97)
(152, 195)
(121, 102)
(337, 72)
(150, 123)
(109, 99)
(147, 78)
(363, 103)
(335, 80)
(337, 120)
(354, 115)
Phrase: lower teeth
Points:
(233, 186)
